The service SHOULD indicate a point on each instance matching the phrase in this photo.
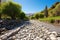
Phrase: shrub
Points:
(46, 12)
(41, 16)
(26, 18)
(37, 16)
(11, 9)
(52, 21)
(32, 17)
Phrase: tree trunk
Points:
(46, 12)
(13, 17)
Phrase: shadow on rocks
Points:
(11, 24)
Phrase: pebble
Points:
(35, 32)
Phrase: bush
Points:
(32, 17)
(26, 18)
(52, 21)
(21, 15)
(11, 9)
(41, 16)
(37, 16)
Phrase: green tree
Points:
(11, 9)
(37, 16)
(46, 12)
(32, 17)
(0, 13)
(57, 10)
(26, 18)
(21, 15)
(0, 10)
(41, 15)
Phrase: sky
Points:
(32, 6)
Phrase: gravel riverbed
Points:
(35, 30)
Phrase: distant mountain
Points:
(30, 14)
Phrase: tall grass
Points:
(50, 18)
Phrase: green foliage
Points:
(26, 18)
(46, 12)
(49, 15)
(41, 15)
(32, 17)
(56, 10)
(11, 9)
(52, 21)
(50, 18)
(37, 16)
(21, 15)
(53, 6)
(0, 11)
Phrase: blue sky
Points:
(32, 6)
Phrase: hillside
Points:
(53, 14)
(54, 10)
